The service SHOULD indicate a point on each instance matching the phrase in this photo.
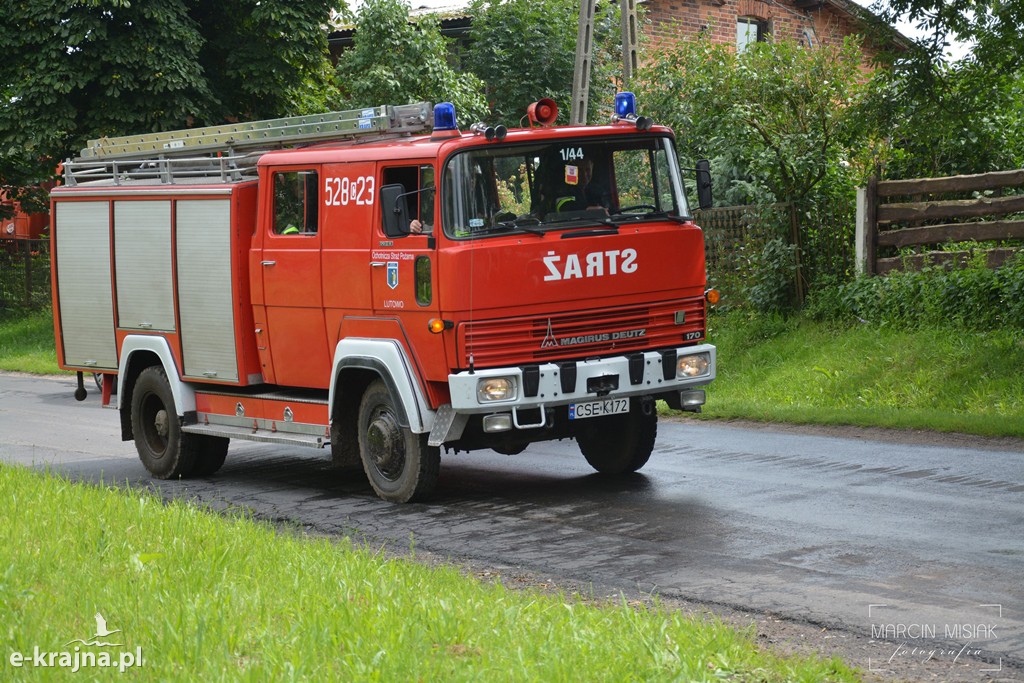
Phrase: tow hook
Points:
(647, 405)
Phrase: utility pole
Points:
(585, 54)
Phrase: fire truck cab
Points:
(391, 288)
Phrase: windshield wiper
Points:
(591, 232)
(520, 224)
(650, 215)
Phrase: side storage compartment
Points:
(205, 288)
(84, 289)
(142, 253)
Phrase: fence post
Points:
(860, 229)
(866, 229)
(27, 255)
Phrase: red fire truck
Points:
(19, 225)
(384, 284)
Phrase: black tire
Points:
(97, 377)
(164, 450)
(619, 444)
(345, 445)
(400, 465)
(211, 451)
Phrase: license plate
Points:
(613, 406)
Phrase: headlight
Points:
(692, 366)
(496, 389)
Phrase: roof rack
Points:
(267, 134)
(229, 153)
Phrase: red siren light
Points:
(542, 112)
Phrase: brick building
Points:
(741, 22)
(735, 22)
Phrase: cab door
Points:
(295, 336)
(402, 270)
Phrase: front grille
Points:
(580, 334)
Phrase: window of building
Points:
(750, 30)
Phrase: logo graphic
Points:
(101, 632)
(549, 338)
(392, 274)
(81, 656)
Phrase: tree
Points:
(525, 50)
(991, 26)
(779, 114)
(954, 119)
(395, 61)
(84, 69)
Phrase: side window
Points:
(296, 202)
(427, 196)
(418, 182)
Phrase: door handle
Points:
(376, 264)
(268, 263)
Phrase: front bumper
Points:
(552, 384)
(650, 373)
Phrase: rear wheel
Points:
(400, 465)
(163, 449)
(619, 444)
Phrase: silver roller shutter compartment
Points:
(82, 235)
(204, 289)
(142, 253)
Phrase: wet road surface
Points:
(920, 546)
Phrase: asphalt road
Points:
(909, 555)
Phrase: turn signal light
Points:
(712, 296)
(437, 325)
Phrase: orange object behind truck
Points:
(385, 285)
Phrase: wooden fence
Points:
(928, 215)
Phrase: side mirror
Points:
(704, 184)
(395, 210)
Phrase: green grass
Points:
(209, 597)
(26, 343)
(807, 372)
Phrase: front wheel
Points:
(619, 444)
(211, 452)
(400, 465)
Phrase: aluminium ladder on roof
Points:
(292, 130)
(228, 153)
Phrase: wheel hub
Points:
(386, 445)
(160, 423)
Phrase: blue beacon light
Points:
(625, 105)
(444, 117)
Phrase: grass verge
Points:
(212, 598)
(795, 370)
(26, 343)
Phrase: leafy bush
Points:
(771, 290)
(971, 298)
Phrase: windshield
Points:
(561, 184)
